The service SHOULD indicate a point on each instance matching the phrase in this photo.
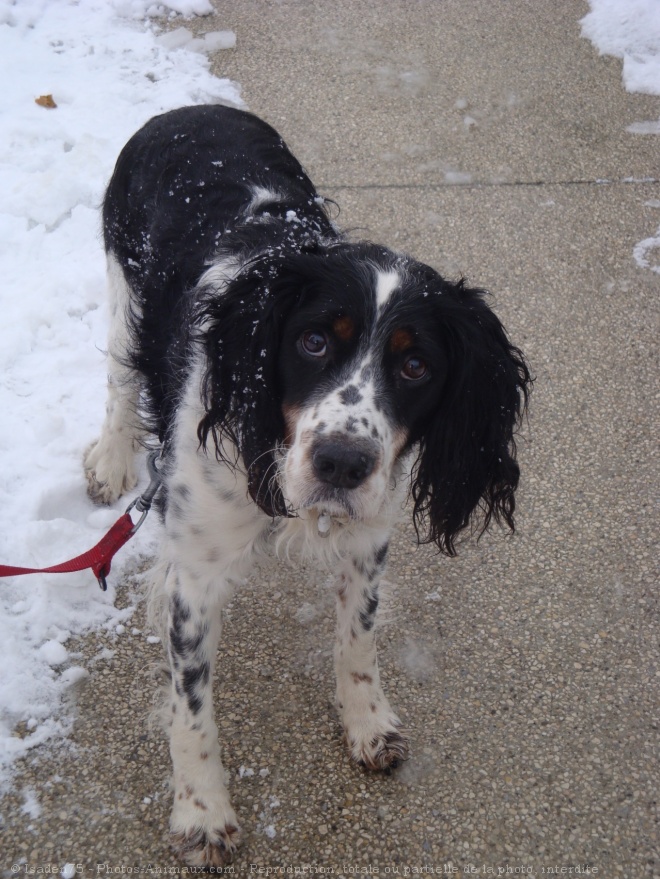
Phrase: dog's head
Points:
(326, 367)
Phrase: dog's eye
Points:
(414, 369)
(314, 343)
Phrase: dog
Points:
(302, 387)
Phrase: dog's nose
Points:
(341, 465)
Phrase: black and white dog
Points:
(302, 387)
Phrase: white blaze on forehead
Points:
(386, 284)
(263, 195)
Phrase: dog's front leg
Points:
(204, 827)
(373, 731)
(110, 461)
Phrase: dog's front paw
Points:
(110, 472)
(377, 742)
(204, 830)
(206, 849)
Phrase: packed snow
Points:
(107, 69)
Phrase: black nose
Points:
(341, 465)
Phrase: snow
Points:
(108, 70)
(266, 824)
(53, 652)
(649, 127)
(210, 42)
(31, 805)
(647, 253)
(628, 29)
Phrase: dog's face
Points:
(326, 367)
(360, 373)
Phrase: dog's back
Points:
(191, 185)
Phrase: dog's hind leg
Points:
(110, 461)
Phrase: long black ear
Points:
(467, 454)
(240, 335)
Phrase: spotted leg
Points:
(204, 827)
(373, 731)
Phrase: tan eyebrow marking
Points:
(344, 328)
(400, 340)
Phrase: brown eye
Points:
(414, 369)
(314, 343)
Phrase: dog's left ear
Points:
(467, 453)
(240, 332)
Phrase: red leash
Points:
(99, 557)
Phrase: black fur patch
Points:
(350, 396)
(368, 613)
(193, 676)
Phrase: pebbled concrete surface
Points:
(490, 141)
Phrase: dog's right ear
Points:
(240, 329)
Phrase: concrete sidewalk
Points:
(489, 140)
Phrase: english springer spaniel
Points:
(303, 387)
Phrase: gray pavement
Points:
(476, 135)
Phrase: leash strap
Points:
(99, 557)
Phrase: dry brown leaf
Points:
(46, 101)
